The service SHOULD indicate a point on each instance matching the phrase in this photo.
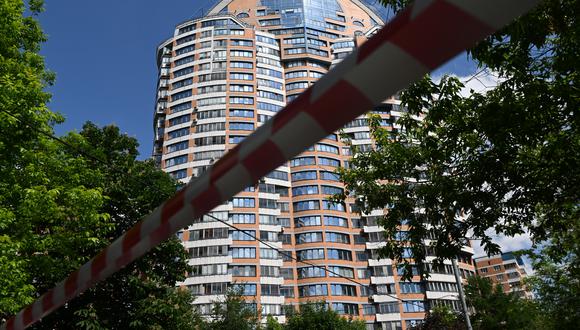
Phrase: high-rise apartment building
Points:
(506, 270)
(223, 75)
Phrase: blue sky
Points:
(103, 53)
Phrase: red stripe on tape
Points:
(446, 37)
(262, 159)
(27, 316)
(132, 237)
(206, 201)
(172, 206)
(10, 324)
(345, 99)
(226, 163)
(47, 298)
(291, 110)
(394, 26)
(70, 285)
(99, 263)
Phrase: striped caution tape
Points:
(418, 40)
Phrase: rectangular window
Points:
(242, 126)
(243, 202)
(244, 253)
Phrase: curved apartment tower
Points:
(223, 75)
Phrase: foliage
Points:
(506, 161)
(555, 282)
(495, 309)
(319, 316)
(60, 207)
(232, 313)
(442, 318)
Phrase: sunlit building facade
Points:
(506, 270)
(223, 75)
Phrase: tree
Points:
(232, 313)
(506, 161)
(319, 316)
(143, 294)
(60, 205)
(495, 309)
(442, 318)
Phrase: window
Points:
(208, 251)
(369, 309)
(270, 309)
(235, 139)
(243, 271)
(335, 221)
(179, 174)
(241, 76)
(304, 175)
(287, 291)
(308, 237)
(181, 83)
(206, 114)
(242, 42)
(271, 96)
(211, 89)
(211, 101)
(209, 140)
(310, 272)
(388, 308)
(242, 113)
(296, 85)
(178, 133)
(269, 22)
(305, 190)
(497, 268)
(296, 74)
(241, 65)
(181, 107)
(315, 74)
(328, 205)
(242, 88)
(306, 205)
(268, 253)
(269, 72)
(245, 235)
(186, 29)
(210, 233)
(243, 218)
(241, 100)
(266, 40)
(269, 83)
(185, 39)
(287, 273)
(311, 254)
(342, 290)
(242, 126)
(184, 60)
(176, 161)
(181, 95)
(243, 202)
(330, 190)
(328, 162)
(413, 306)
(338, 254)
(330, 176)
(302, 161)
(363, 273)
(411, 287)
(212, 76)
(269, 107)
(278, 175)
(269, 236)
(307, 221)
(336, 271)
(270, 290)
(208, 270)
(313, 290)
(269, 61)
(248, 289)
(337, 237)
(212, 154)
(244, 253)
(241, 53)
(326, 148)
(177, 146)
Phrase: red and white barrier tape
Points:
(418, 40)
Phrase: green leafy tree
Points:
(232, 313)
(143, 294)
(319, 316)
(495, 309)
(442, 318)
(59, 207)
(507, 160)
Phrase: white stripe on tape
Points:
(290, 143)
(330, 79)
(255, 140)
(375, 78)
